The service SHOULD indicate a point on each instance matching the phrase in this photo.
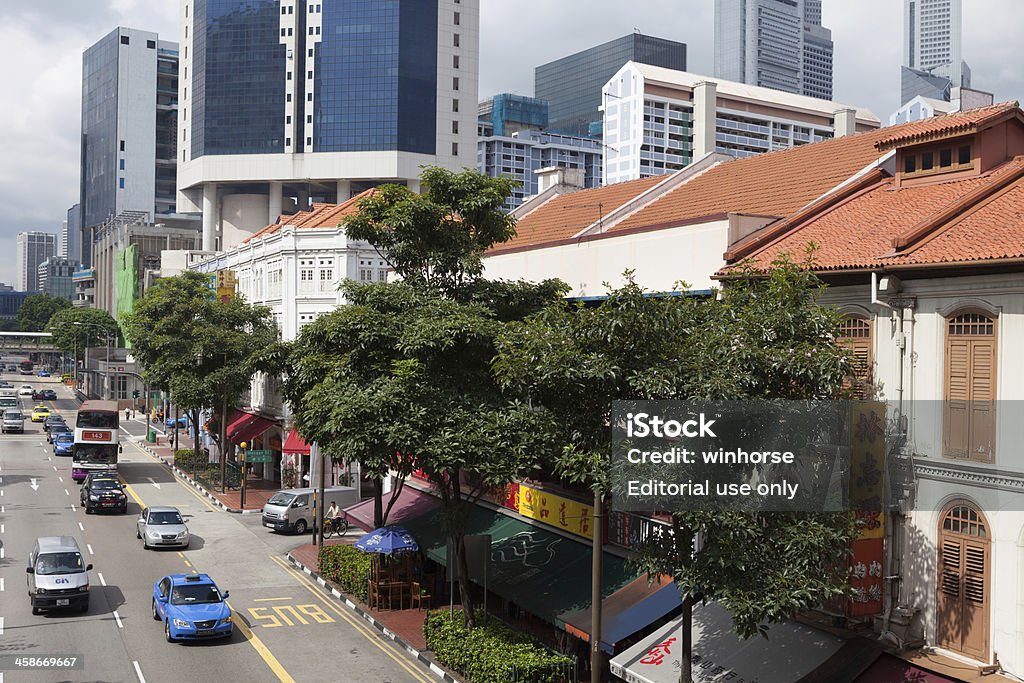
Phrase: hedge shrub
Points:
(189, 460)
(488, 653)
(347, 567)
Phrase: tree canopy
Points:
(78, 328)
(198, 348)
(37, 309)
(765, 337)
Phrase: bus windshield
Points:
(97, 419)
(95, 454)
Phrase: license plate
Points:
(204, 632)
(63, 603)
(268, 524)
(108, 503)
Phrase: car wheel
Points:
(145, 543)
(167, 631)
(300, 527)
(85, 607)
(88, 510)
(156, 615)
(137, 534)
(124, 509)
(36, 611)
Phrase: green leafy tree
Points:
(36, 311)
(75, 329)
(401, 376)
(766, 337)
(204, 352)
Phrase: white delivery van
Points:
(58, 576)
(292, 509)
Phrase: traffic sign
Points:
(259, 456)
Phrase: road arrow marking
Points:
(33, 484)
(153, 482)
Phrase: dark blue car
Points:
(191, 608)
(62, 443)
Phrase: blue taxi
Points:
(191, 607)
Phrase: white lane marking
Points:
(117, 618)
(126, 431)
(72, 507)
(66, 493)
(33, 484)
(80, 527)
(61, 479)
(1, 528)
(54, 468)
(103, 582)
(1, 552)
(1, 626)
(1, 584)
(3, 508)
(138, 670)
(89, 547)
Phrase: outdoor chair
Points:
(420, 596)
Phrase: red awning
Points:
(295, 444)
(411, 503)
(246, 427)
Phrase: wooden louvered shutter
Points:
(962, 622)
(855, 335)
(969, 420)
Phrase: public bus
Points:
(96, 438)
(26, 367)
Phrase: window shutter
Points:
(955, 422)
(982, 405)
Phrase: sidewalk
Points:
(257, 491)
(405, 627)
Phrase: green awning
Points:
(542, 572)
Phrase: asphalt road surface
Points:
(287, 627)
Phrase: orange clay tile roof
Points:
(564, 215)
(321, 216)
(987, 223)
(938, 127)
(772, 184)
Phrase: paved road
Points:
(288, 628)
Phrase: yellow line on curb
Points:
(352, 621)
(269, 599)
(263, 650)
(131, 492)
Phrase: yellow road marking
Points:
(131, 492)
(264, 652)
(184, 484)
(187, 563)
(269, 599)
(362, 628)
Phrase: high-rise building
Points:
(933, 64)
(283, 102)
(32, 249)
(54, 276)
(129, 128)
(73, 234)
(572, 85)
(778, 44)
(658, 121)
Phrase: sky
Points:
(41, 120)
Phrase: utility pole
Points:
(596, 660)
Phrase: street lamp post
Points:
(107, 335)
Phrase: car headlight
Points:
(226, 620)
(183, 534)
(93, 496)
(182, 624)
(153, 532)
(40, 591)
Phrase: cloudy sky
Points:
(40, 122)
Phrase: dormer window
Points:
(952, 155)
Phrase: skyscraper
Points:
(286, 101)
(932, 51)
(778, 44)
(129, 124)
(32, 248)
(572, 85)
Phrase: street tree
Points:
(400, 378)
(766, 337)
(204, 352)
(76, 329)
(37, 309)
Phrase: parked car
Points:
(63, 442)
(182, 422)
(191, 608)
(42, 373)
(13, 421)
(25, 390)
(40, 413)
(49, 395)
(292, 510)
(103, 491)
(161, 526)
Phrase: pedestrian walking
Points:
(127, 413)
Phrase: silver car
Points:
(161, 526)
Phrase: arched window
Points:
(963, 604)
(855, 334)
(970, 395)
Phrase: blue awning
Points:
(627, 611)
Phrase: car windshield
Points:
(195, 594)
(165, 518)
(13, 415)
(66, 437)
(59, 563)
(105, 484)
(281, 498)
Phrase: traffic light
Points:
(135, 394)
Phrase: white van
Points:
(58, 576)
(292, 509)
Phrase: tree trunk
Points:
(686, 647)
(378, 503)
(468, 617)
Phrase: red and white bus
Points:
(96, 438)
